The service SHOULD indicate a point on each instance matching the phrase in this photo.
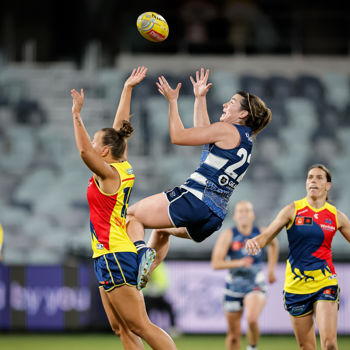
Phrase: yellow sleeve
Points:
(1, 237)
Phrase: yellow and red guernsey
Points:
(309, 265)
(108, 214)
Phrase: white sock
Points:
(252, 347)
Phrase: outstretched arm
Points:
(272, 259)
(123, 111)
(344, 225)
(285, 216)
(222, 245)
(87, 153)
(193, 136)
(200, 90)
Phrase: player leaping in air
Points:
(197, 208)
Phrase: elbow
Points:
(214, 265)
(174, 140)
(84, 154)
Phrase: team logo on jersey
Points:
(328, 221)
(303, 220)
(236, 245)
(99, 246)
(223, 180)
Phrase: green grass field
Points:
(83, 341)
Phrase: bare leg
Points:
(129, 340)
(233, 336)
(129, 303)
(304, 331)
(160, 241)
(254, 303)
(326, 319)
(150, 212)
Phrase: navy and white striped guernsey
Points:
(220, 171)
(244, 279)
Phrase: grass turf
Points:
(82, 341)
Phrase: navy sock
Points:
(140, 245)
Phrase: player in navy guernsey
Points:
(197, 208)
(245, 282)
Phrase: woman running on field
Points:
(311, 285)
(197, 208)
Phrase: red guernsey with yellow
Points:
(309, 265)
(108, 214)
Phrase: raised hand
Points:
(252, 247)
(200, 86)
(137, 75)
(165, 89)
(78, 100)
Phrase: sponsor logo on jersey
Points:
(236, 245)
(249, 137)
(99, 246)
(316, 216)
(129, 171)
(303, 220)
(327, 227)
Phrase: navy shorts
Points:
(116, 269)
(302, 304)
(186, 210)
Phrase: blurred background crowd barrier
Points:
(62, 298)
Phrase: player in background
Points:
(197, 208)
(115, 256)
(311, 285)
(245, 283)
(1, 241)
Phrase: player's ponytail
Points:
(259, 116)
(116, 139)
(126, 129)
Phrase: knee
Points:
(117, 330)
(162, 234)
(234, 337)
(252, 321)
(138, 328)
(329, 343)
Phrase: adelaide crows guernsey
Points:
(220, 171)
(309, 265)
(244, 279)
(108, 214)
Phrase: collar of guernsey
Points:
(108, 214)
(309, 264)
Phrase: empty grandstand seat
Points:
(253, 84)
(279, 87)
(337, 88)
(310, 87)
(225, 85)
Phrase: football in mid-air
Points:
(152, 26)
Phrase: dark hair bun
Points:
(126, 129)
